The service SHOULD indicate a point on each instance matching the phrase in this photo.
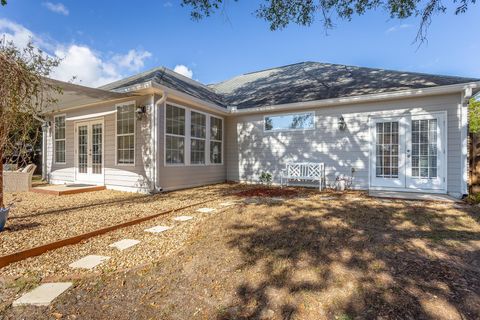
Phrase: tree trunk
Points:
(1, 180)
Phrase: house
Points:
(159, 130)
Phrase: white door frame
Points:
(443, 136)
(89, 177)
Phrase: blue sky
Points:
(102, 41)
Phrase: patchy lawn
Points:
(311, 256)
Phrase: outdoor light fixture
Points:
(342, 125)
(45, 125)
(140, 112)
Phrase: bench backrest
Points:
(305, 170)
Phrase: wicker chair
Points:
(18, 181)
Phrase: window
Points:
(60, 139)
(126, 134)
(299, 121)
(198, 134)
(174, 135)
(216, 133)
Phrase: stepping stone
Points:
(277, 199)
(88, 262)
(206, 210)
(42, 295)
(251, 200)
(183, 218)
(124, 244)
(158, 229)
(226, 204)
(327, 198)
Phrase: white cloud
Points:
(167, 4)
(133, 60)
(398, 28)
(183, 70)
(88, 67)
(57, 8)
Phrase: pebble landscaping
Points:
(45, 293)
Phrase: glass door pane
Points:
(97, 133)
(424, 149)
(82, 149)
(387, 149)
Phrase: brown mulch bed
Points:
(268, 192)
(313, 257)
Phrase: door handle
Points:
(408, 153)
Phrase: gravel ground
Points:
(313, 256)
(38, 219)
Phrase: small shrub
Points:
(266, 178)
(474, 198)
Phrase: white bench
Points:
(306, 171)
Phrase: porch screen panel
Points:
(82, 149)
(97, 133)
(386, 149)
(424, 148)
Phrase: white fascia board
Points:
(362, 99)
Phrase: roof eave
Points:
(172, 93)
(402, 94)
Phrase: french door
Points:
(408, 152)
(89, 152)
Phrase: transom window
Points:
(285, 122)
(174, 135)
(198, 133)
(216, 135)
(59, 139)
(424, 148)
(126, 134)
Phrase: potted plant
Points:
(3, 217)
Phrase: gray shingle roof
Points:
(170, 79)
(308, 81)
(301, 82)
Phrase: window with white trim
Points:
(174, 135)
(59, 139)
(216, 135)
(198, 136)
(126, 134)
(286, 122)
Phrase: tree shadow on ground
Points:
(357, 259)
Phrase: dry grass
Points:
(321, 256)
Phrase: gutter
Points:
(360, 99)
(155, 134)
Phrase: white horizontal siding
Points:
(129, 178)
(250, 150)
(178, 177)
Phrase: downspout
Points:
(155, 112)
(466, 95)
(45, 126)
